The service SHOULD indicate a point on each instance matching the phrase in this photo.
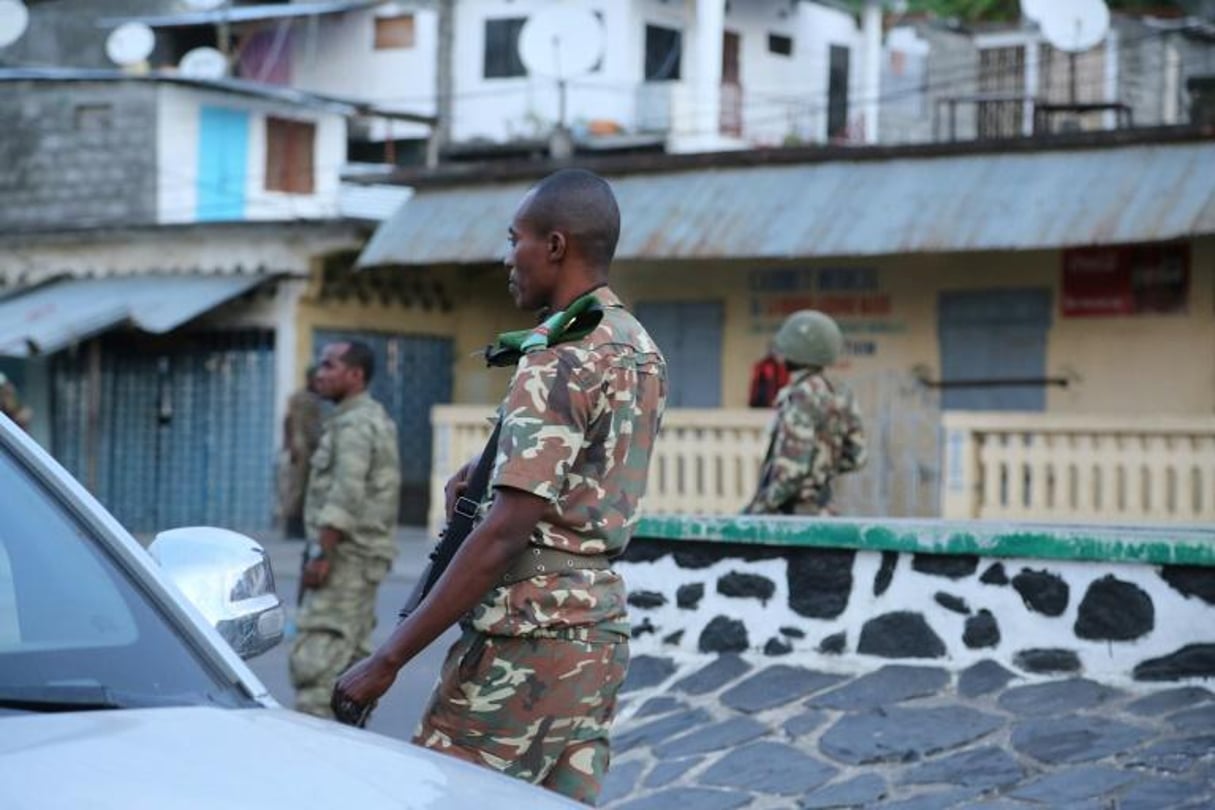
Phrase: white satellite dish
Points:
(1033, 9)
(1073, 25)
(204, 5)
(204, 63)
(130, 43)
(561, 42)
(14, 19)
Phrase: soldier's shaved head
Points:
(581, 205)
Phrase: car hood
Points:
(189, 758)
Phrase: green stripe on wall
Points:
(1160, 545)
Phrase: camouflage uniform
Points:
(817, 435)
(354, 487)
(530, 689)
(301, 435)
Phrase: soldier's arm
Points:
(792, 456)
(854, 452)
(353, 446)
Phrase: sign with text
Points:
(1126, 280)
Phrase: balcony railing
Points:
(1079, 468)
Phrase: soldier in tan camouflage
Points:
(530, 689)
(817, 432)
(301, 435)
(350, 513)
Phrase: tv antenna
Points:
(130, 44)
(1072, 26)
(561, 42)
(14, 19)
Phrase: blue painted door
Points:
(223, 160)
(184, 433)
(413, 373)
(993, 335)
(689, 334)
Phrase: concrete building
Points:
(155, 237)
(1034, 284)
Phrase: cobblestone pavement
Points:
(724, 733)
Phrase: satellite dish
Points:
(561, 42)
(204, 63)
(130, 43)
(1073, 25)
(1033, 9)
(204, 5)
(14, 19)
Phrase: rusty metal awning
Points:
(1024, 200)
(53, 316)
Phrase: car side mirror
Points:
(228, 577)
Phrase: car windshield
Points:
(76, 630)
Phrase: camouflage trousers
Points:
(334, 630)
(535, 708)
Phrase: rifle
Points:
(458, 527)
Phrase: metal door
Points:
(992, 336)
(177, 432)
(689, 334)
(413, 373)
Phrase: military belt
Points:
(536, 561)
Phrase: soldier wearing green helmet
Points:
(817, 433)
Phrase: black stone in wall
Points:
(1047, 661)
(954, 566)
(646, 599)
(833, 644)
(689, 596)
(1191, 580)
(1113, 610)
(673, 638)
(901, 634)
(1042, 591)
(982, 630)
(820, 581)
(641, 549)
(723, 635)
(994, 575)
(1191, 661)
(746, 586)
(885, 573)
(950, 602)
(646, 626)
(777, 646)
(792, 632)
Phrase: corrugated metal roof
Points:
(55, 315)
(975, 202)
(238, 14)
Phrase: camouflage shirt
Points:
(817, 435)
(355, 479)
(578, 426)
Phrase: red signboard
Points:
(1126, 280)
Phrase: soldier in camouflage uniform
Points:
(301, 435)
(817, 433)
(530, 689)
(350, 515)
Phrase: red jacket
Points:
(768, 376)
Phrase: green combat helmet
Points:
(809, 338)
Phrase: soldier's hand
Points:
(456, 486)
(362, 685)
(316, 573)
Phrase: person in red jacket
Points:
(768, 376)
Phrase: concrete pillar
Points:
(710, 23)
(871, 67)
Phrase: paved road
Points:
(721, 733)
(398, 713)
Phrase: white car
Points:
(116, 692)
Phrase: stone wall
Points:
(1112, 620)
